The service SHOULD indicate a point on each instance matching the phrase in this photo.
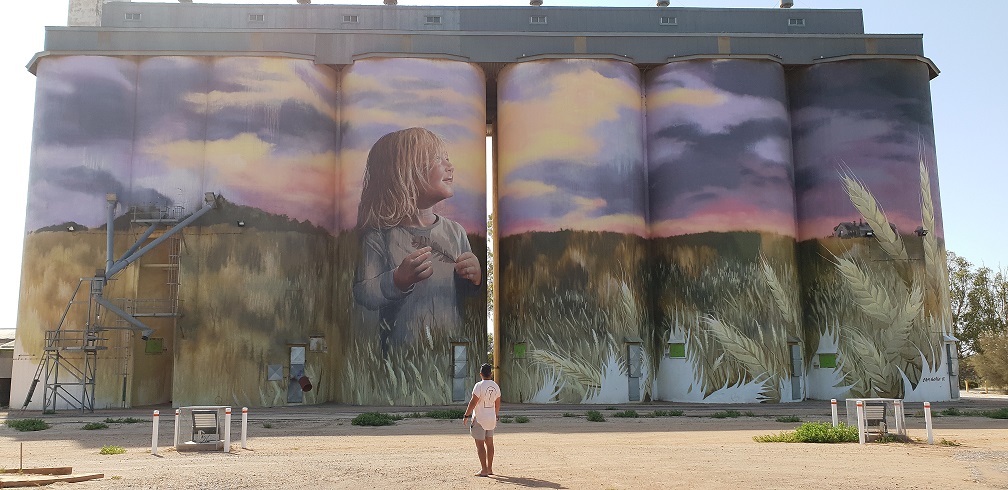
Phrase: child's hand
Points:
(413, 269)
(467, 266)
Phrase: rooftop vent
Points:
(786, 4)
(390, 2)
(663, 3)
(535, 3)
(304, 2)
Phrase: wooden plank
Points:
(60, 470)
(30, 481)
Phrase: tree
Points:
(979, 301)
(992, 363)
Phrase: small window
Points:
(520, 350)
(133, 15)
(350, 18)
(677, 350)
(433, 19)
(257, 17)
(796, 22)
(537, 19)
(154, 346)
(668, 21)
(827, 361)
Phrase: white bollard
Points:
(836, 419)
(860, 422)
(176, 426)
(154, 431)
(244, 426)
(227, 430)
(900, 422)
(927, 422)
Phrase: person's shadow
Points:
(527, 482)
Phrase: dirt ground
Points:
(317, 447)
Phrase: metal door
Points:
(952, 353)
(635, 361)
(796, 371)
(460, 371)
(297, 361)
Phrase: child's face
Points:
(440, 180)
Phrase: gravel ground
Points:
(318, 447)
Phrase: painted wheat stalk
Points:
(586, 380)
(873, 299)
(869, 208)
(873, 365)
(935, 266)
(786, 302)
(747, 353)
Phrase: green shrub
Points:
(507, 419)
(127, 420)
(782, 437)
(267, 425)
(112, 450)
(447, 414)
(626, 414)
(568, 414)
(727, 414)
(825, 432)
(95, 426)
(1001, 413)
(750, 413)
(375, 419)
(521, 419)
(416, 415)
(788, 418)
(950, 443)
(952, 411)
(821, 432)
(667, 413)
(595, 416)
(28, 425)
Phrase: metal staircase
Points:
(70, 356)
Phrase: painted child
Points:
(414, 264)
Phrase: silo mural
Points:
(869, 223)
(270, 148)
(158, 132)
(412, 230)
(81, 150)
(723, 226)
(572, 209)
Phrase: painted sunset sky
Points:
(382, 95)
(871, 117)
(719, 148)
(262, 132)
(570, 147)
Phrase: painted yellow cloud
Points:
(560, 123)
(523, 189)
(269, 82)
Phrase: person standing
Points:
(484, 408)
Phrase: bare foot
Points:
(481, 474)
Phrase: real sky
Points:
(969, 109)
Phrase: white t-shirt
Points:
(488, 392)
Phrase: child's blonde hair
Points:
(396, 172)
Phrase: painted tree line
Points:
(979, 297)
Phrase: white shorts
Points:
(478, 432)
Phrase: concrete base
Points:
(200, 446)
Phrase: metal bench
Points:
(205, 428)
(875, 416)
